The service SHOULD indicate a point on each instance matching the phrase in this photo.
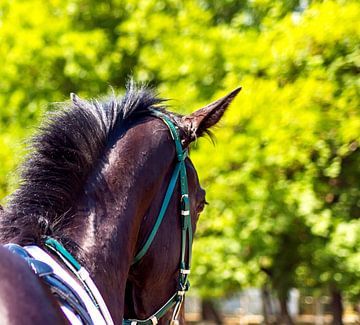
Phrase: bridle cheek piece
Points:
(177, 299)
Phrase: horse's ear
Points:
(204, 118)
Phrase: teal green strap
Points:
(186, 230)
(160, 217)
(55, 246)
(69, 260)
(179, 169)
(160, 313)
(173, 131)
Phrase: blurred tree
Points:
(288, 181)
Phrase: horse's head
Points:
(158, 276)
(111, 180)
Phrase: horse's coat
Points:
(95, 180)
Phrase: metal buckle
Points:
(154, 320)
(185, 204)
(174, 322)
(184, 271)
(175, 315)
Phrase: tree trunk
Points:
(266, 305)
(209, 312)
(336, 306)
(357, 310)
(285, 317)
(319, 312)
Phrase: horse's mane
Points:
(66, 149)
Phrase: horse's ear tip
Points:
(236, 91)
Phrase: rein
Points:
(176, 300)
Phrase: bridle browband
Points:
(179, 172)
(176, 300)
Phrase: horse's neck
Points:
(107, 235)
(108, 219)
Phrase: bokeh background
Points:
(283, 178)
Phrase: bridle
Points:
(179, 172)
(177, 299)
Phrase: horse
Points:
(94, 182)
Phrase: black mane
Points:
(62, 155)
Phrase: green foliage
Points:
(282, 181)
(287, 167)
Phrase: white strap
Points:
(71, 316)
(41, 255)
(83, 274)
(99, 299)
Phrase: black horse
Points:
(95, 180)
